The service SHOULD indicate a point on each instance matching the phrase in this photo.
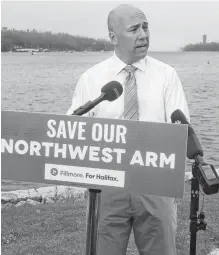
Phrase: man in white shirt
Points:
(159, 92)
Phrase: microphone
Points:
(110, 92)
(194, 148)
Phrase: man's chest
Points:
(150, 95)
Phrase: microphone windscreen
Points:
(112, 90)
(193, 145)
(178, 117)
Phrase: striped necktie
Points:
(130, 95)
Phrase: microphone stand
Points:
(93, 207)
(92, 221)
(196, 220)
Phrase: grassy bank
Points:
(60, 228)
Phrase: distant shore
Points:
(32, 40)
(211, 46)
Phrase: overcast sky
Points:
(171, 24)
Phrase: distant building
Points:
(204, 40)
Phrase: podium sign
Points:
(138, 157)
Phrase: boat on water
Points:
(33, 53)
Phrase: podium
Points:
(94, 153)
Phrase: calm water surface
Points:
(45, 83)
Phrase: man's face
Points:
(133, 36)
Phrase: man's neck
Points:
(123, 58)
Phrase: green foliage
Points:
(12, 39)
(212, 46)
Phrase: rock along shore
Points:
(43, 195)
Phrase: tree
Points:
(48, 40)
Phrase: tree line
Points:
(12, 39)
(212, 46)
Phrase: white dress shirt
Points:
(159, 90)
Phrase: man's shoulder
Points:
(159, 65)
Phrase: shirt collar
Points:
(119, 64)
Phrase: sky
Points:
(172, 24)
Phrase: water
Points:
(45, 83)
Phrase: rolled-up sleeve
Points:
(80, 97)
(175, 97)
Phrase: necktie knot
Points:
(130, 69)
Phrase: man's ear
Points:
(113, 38)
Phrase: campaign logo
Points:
(54, 171)
(85, 175)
